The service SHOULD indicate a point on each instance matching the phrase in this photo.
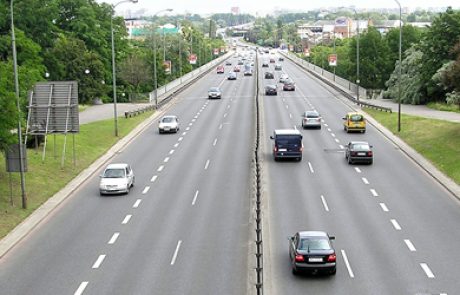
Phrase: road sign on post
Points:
(306, 51)
(216, 51)
(167, 67)
(192, 59)
(332, 60)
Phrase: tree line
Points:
(60, 40)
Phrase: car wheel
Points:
(370, 162)
(364, 131)
(132, 183)
(333, 272)
(295, 271)
(350, 161)
(159, 131)
(299, 159)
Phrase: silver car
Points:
(311, 119)
(116, 179)
(168, 123)
(214, 92)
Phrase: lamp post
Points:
(114, 78)
(16, 88)
(400, 66)
(357, 54)
(155, 82)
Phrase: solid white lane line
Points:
(384, 207)
(206, 165)
(410, 245)
(166, 160)
(326, 207)
(184, 133)
(358, 170)
(311, 167)
(395, 224)
(137, 203)
(215, 142)
(99, 261)
(427, 270)
(194, 198)
(127, 218)
(154, 177)
(350, 271)
(160, 168)
(173, 260)
(114, 238)
(365, 180)
(146, 189)
(333, 134)
(81, 288)
(176, 145)
(374, 192)
(180, 138)
(171, 152)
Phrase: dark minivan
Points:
(287, 144)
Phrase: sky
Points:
(262, 7)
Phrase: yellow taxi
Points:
(354, 122)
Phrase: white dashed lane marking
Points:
(195, 197)
(173, 260)
(99, 261)
(81, 288)
(326, 207)
(206, 165)
(114, 238)
(154, 177)
(347, 263)
(358, 170)
(395, 224)
(176, 145)
(410, 245)
(127, 219)
(374, 192)
(166, 160)
(146, 189)
(171, 152)
(365, 180)
(310, 167)
(215, 142)
(384, 207)
(160, 168)
(427, 270)
(137, 203)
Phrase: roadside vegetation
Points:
(436, 140)
(44, 179)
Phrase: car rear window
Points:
(167, 120)
(289, 140)
(363, 147)
(314, 244)
(114, 173)
(356, 118)
(311, 115)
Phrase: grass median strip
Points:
(436, 140)
(44, 179)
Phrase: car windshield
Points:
(314, 244)
(168, 120)
(214, 89)
(114, 173)
(356, 118)
(289, 140)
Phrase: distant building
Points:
(235, 10)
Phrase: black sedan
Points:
(312, 251)
(269, 75)
(271, 90)
(359, 152)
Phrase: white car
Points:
(116, 179)
(168, 123)
(283, 78)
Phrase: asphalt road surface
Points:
(185, 228)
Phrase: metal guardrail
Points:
(322, 75)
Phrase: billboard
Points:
(167, 67)
(306, 51)
(332, 60)
(192, 58)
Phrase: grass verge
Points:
(444, 107)
(438, 141)
(46, 178)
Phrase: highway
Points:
(187, 225)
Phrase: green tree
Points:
(410, 35)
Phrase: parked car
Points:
(116, 179)
(289, 85)
(287, 144)
(359, 152)
(312, 251)
(214, 92)
(269, 75)
(271, 89)
(220, 69)
(168, 123)
(354, 122)
(311, 119)
(231, 76)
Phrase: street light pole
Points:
(16, 88)
(114, 78)
(400, 66)
(155, 82)
(357, 55)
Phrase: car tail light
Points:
(353, 153)
(301, 148)
(299, 258)
(331, 258)
(275, 149)
(369, 153)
